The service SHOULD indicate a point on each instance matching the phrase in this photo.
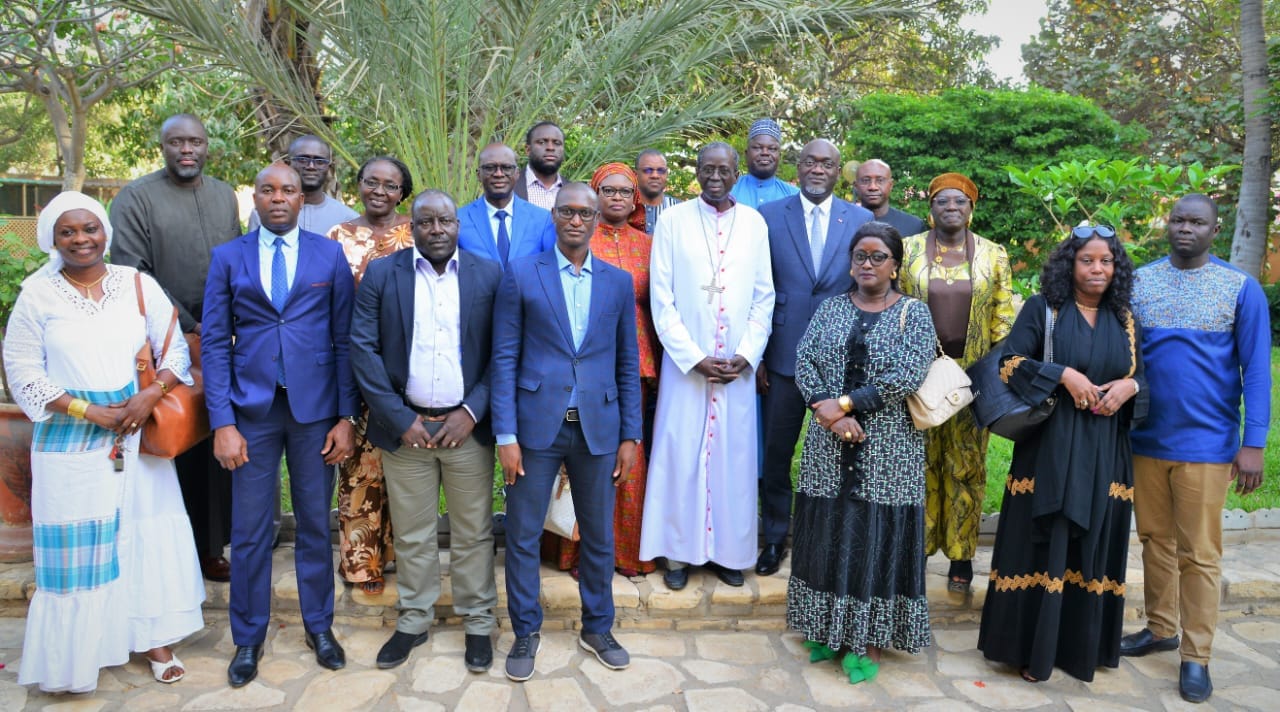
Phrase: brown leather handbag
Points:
(180, 419)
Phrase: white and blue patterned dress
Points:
(116, 567)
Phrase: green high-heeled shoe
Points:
(859, 668)
(819, 652)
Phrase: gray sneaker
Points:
(520, 659)
(606, 649)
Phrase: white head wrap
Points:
(61, 204)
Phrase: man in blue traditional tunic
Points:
(764, 151)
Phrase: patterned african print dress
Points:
(364, 519)
(857, 572)
(956, 451)
(1056, 593)
(628, 249)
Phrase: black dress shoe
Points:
(328, 652)
(216, 568)
(396, 650)
(1144, 641)
(479, 655)
(730, 577)
(676, 579)
(770, 559)
(244, 666)
(1193, 682)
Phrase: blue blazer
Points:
(531, 230)
(535, 365)
(242, 334)
(798, 286)
(382, 337)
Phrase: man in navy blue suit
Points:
(809, 238)
(277, 310)
(565, 389)
(500, 225)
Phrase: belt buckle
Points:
(571, 415)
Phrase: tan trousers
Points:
(1179, 511)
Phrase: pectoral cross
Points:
(711, 289)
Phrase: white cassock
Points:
(700, 498)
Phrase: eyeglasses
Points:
(1086, 231)
(609, 191)
(873, 180)
(712, 171)
(826, 164)
(372, 184)
(566, 213)
(427, 223)
(654, 170)
(316, 161)
(877, 258)
(492, 168)
(959, 202)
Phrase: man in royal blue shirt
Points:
(1205, 343)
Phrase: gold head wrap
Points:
(954, 180)
(636, 219)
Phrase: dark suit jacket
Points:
(531, 230)
(798, 286)
(535, 366)
(243, 334)
(382, 337)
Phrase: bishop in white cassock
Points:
(711, 289)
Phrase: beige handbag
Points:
(946, 389)
(561, 519)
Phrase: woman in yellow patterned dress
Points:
(965, 280)
(363, 516)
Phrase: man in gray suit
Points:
(809, 238)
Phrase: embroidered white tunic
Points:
(711, 289)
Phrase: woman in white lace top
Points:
(116, 567)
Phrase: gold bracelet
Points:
(164, 390)
(77, 407)
(845, 403)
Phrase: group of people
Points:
(660, 358)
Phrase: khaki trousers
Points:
(1179, 511)
(414, 478)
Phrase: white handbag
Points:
(561, 519)
(946, 389)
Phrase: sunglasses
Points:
(1086, 231)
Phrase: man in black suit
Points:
(809, 238)
(420, 340)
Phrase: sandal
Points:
(1026, 675)
(960, 576)
(160, 669)
(859, 668)
(373, 587)
(958, 585)
(819, 652)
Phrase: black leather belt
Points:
(571, 415)
(434, 412)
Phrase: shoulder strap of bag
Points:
(1049, 318)
(142, 309)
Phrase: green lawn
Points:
(1265, 497)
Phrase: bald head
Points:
(873, 182)
(185, 146)
(498, 172)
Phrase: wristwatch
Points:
(350, 419)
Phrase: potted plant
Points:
(18, 258)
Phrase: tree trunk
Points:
(73, 168)
(1249, 244)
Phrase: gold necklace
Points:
(88, 288)
(941, 249)
(1082, 307)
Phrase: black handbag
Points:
(996, 407)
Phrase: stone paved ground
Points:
(713, 649)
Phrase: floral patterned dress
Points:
(364, 519)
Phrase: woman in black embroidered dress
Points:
(1056, 592)
(857, 574)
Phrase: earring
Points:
(930, 220)
(969, 221)
(894, 275)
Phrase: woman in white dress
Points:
(116, 566)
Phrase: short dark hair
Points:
(528, 135)
(647, 152)
(1057, 281)
(887, 234)
(406, 178)
(717, 145)
(309, 137)
(1202, 199)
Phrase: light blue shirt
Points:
(577, 300)
(492, 210)
(267, 252)
(754, 192)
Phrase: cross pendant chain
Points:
(711, 289)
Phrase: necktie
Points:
(504, 240)
(279, 293)
(816, 239)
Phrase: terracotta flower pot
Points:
(15, 484)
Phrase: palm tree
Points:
(1249, 243)
(435, 80)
